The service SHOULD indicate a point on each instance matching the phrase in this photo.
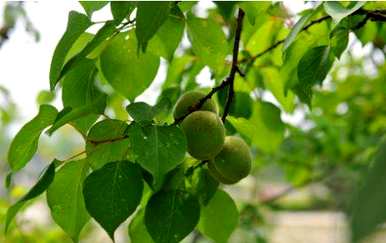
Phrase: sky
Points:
(24, 63)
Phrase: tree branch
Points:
(234, 68)
(227, 81)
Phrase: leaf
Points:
(169, 35)
(274, 82)
(137, 229)
(368, 206)
(264, 129)
(25, 143)
(88, 50)
(79, 90)
(150, 17)
(219, 218)
(241, 105)
(65, 198)
(338, 12)
(226, 8)
(106, 142)
(296, 29)
(208, 41)
(91, 6)
(96, 107)
(120, 10)
(140, 111)
(158, 149)
(112, 193)
(314, 66)
(129, 74)
(41, 185)
(254, 9)
(339, 40)
(204, 186)
(170, 216)
(77, 25)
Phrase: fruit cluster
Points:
(229, 158)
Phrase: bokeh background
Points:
(298, 194)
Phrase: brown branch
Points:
(227, 81)
(234, 68)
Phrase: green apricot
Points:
(205, 134)
(233, 163)
(189, 99)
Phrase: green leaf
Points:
(203, 185)
(158, 149)
(140, 111)
(65, 198)
(112, 193)
(219, 218)
(296, 29)
(338, 12)
(137, 229)
(241, 105)
(91, 6)
(88, 50)
(120, 10)
(45, 97)
(170, 216)
(274, 82)
(208, 41)
(254, 9)
(97, 106)
(41, 185)
(25, 143)
(129, 74)
(150, 17)
(169, 35)
(368, 208)
(79, 90)
(226, 8)
(106, 142)
(339, 40)
(264, 129)
(315, 65)
(77, 25)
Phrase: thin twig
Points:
(227, 81)
(234, 67)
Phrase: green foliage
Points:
(77, 24)
(129, 72)
(261, 57)
(208, 41)
(112, 193)
(150, 17)
(25, 143)
(179, 211)
(120, 10)
(41, 185)
(368, 205)
(65, 198)
(219, 218)
(91, 7)
(338, 12)
(106, 142)
(158, 149)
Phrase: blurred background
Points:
(299, 193)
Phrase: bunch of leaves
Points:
(140, 164)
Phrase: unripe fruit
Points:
(233, 163)
(205, 134)
(189, 99)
